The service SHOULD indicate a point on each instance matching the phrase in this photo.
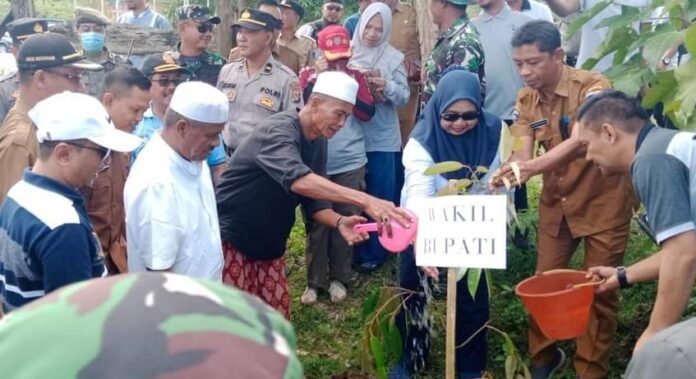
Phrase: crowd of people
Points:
(184, 165)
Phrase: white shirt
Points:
(591, 38)
(538, 11)
(171, 214)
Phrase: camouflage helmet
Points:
(148, 325)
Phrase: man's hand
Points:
(345, 227)
(604, 272)
(432, 272)
(321, 64)
(526, 171)
(383, 212)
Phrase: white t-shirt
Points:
(591, 38)
(538, 11)
(171, 214)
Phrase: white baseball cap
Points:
(200, 102)
(337, 84)
(70, 116)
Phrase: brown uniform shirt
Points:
(18, 149)
(404, 37)
(300, 52)
(578, 192)
(107, 212)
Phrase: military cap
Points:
(89, 15)
(23, 28)
(52, 50)
(161, 63)
(196, 13)
(459, 2)
(294, 5)
(253, 19)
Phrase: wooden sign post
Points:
(460, 232)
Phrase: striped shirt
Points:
(46, 240)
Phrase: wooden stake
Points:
(450, 360)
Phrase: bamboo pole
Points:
(450, 360)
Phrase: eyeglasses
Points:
(454, 116)
(205, 27)
(103, 152)
(165, 82)
(333, 8)
(72, 78)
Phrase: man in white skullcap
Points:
(283, 163)
(171, 220)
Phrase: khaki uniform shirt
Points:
(9, 88)
(404, 35)
(95, 79)
(300, 52)
(104, 202)
(273, 89)
(18, 149)
(590, 202)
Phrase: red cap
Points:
(334, 41)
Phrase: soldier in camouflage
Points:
(457, 45)
(196, 31)
(91, 25)
(149, 325)
(19, 29)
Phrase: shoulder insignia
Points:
(268, 68)
(539, 124)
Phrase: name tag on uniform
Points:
(539, 124)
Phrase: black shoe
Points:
(545, 372)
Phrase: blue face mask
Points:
(92, 42)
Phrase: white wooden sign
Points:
(462, 231)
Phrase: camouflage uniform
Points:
(458, 46)
(149, 325)
(95, 79)
(205, 67)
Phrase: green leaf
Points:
(630, 76)
(443, 167)
(505, 147)
(370, 304)
(394, 342)
(628, 16)
(663, 89)
(618, 39)
(481, 170)
(382, 373)
(510, 367)
(446, 191)
(489, 282)
(473, 280)
(659, 42)
(509, 346)
(461, 271)
(690, 39)
(378, 353)
(585, 17)
(686, 77)
(463, 184)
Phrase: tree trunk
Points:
(22, 8)
(427, 31)
(227, 11)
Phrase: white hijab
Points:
(372, 57)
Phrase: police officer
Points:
(257, 85)
(196, 32)
(304, 47)
(457, 45)
(91, 25)
(19, 30)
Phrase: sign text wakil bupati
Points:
(462, 231)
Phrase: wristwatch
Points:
(621, 276)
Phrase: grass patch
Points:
(329, 335)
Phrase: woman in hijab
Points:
(452, 127)
(386, 74)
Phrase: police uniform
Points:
(206, 66)
(95, 79)
(577, 201)
(19, 30)
(272, 89)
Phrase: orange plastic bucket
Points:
(559, 301)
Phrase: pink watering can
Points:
(401, 237)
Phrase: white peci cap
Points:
(200, 102)
(71, 116)
(338, 85)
